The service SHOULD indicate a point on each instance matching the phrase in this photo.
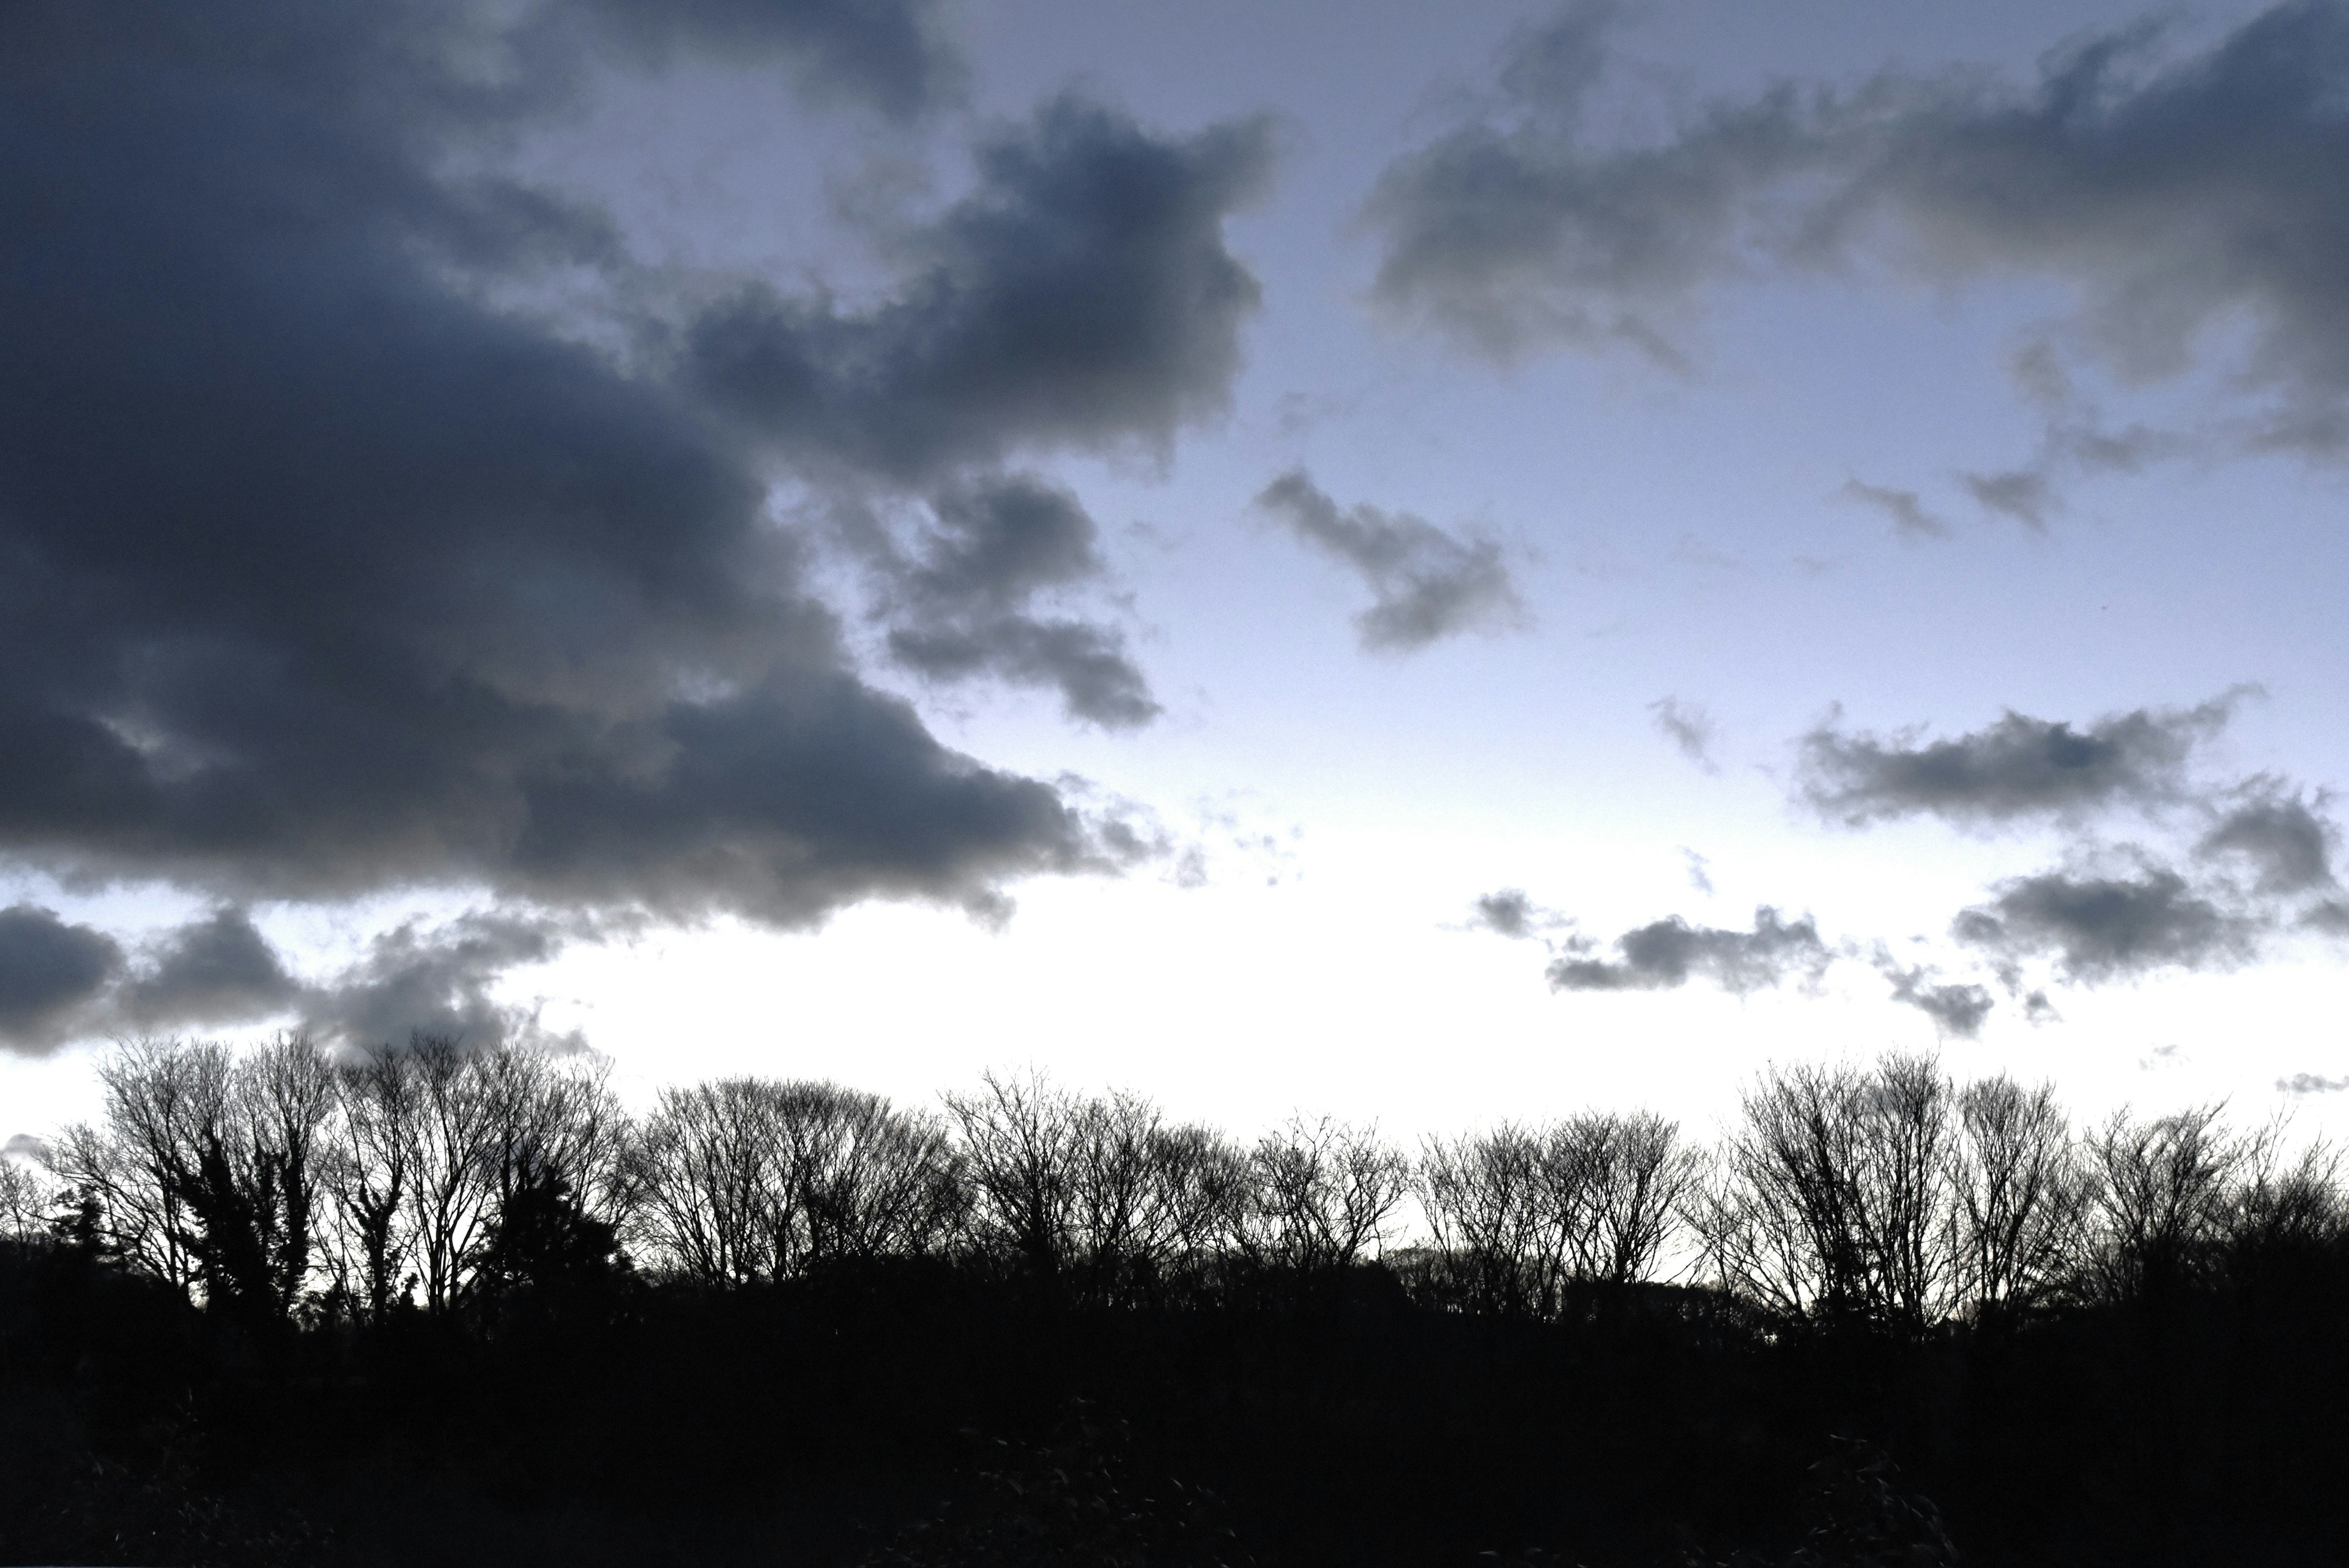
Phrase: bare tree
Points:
(1118, 1228)
(2281, 1216)
(27, 1197)
(283, 1097)
(163, 1100)
(1634, 1177)
(554, 1119)
(452, 1190)
(1832, 1200)
(1199, 1186)
(369, 1170)
(204, 1169)
(755, 1179)
(2163, 1196)
(1492, 1207)
(1910, 1134)
(709, 1163)
(2021, 1197)
(1519, 1215)
(1018, 1137)
(1778, 1221)
(890, 1182)
(1322, 1192)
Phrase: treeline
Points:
(285, 1182)
(448, 1305)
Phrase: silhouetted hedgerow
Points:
(434, 1305)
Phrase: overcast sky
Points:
(1429, 563)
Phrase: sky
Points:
(1432, 565)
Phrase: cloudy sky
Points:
(1428, 562)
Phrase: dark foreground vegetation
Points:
(433, 1306)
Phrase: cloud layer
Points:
(2171, 199)
(322, 572)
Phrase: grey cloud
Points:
(1081, 295)
(50, 972)
(2099, 927)
(2017, 767)
(2311, 1083)
(61, 981)
(1956, 1009)
(2172, 197)
(1907, 512)
(894, 54)
(439, 981)
(2023, 494)
(2328, 917)
(1511, 913)
(1549, 66)
(2283, 837)
(997, 544)
(24, 1146)
(1088, 664)
(1426, 583)
(962, 602)
(217, 970)
(1667, 953)
(1690, 727)
(320, 573)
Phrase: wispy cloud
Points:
(1427, 584)
(1690, 727)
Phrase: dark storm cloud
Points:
(1426, 583)
(320, 572)
(1081, 295)
(961, 602)
(2017, 767)
(1903, 508)
(219, 970)
(892, 53)
(1669, 953)
(2286, 840)
(998, 543)
(2099, 926)
(1956, 1008)
(51, 970)
(2172, 198)
(1688, 726)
